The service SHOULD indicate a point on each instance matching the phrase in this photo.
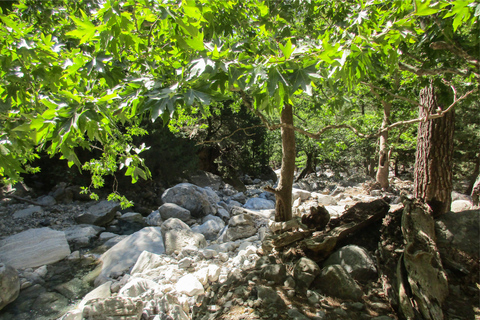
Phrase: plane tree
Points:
(85, 75)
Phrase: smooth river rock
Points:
(34, 248)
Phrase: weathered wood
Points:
(294, 223)
(424, 284)
(354, 219)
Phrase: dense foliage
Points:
(86, 74)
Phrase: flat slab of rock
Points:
(27, 212)
(34, 248)
(124, 254)
(99, 214)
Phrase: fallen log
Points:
(354, 219)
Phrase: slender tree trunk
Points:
(309, 166)
(383, 159)
(434, 156)
(283, 192)
(473, 178)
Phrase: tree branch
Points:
(442, 45)
(373, 88)
(230, 135)
(433, 72)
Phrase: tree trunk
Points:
(473, 179)
(309, 167)
(283, 192)
(434, 156)
(383, 159)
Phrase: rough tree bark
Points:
(383, 159)
(434, 156)
(283, 192)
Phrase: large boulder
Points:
(459, 231)
(356, 261)
(191, 197)
(34, 248)
(206, 179)
(461, 205)
(240, 226)
(113, 308)
(124, 254)
(299, 193)
(9, 285)
(335, 281)
(80, 236)
(210, 227)
(259, 204)
(99, 214)
(304, 273)
(178, 235)
(172, 210)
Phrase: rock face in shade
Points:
(99, 214)
(9, 285)
(191, 197)
(124, 254)
(34, 248)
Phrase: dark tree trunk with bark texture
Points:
(434, 156)
(383, 157)
(283, 192)
(309, 166)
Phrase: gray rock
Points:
(190, 197)
(210, 227)
(73, 289)
(113, 308)
(132, 217)
(240, 226)
(154, 219)
(146, 261)
(223, 213)
(240, 197)
(50, 303)
(9, 285)
(99, 214)
(459, 196)
(275, 272)
(136, 287)
(297, 315)
(269, 296)
(206, 179)
(335, 281)
(356, 261)
(324, 199)
(33, 248)
(304, 273)
(124, 254)
(80, 236)
(47, 200)
(302, 194)
(172, 210)
(27, 212)
(259, 204)
(460, 231)
(178, 235)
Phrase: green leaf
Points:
(288, 49)
(191, 95)
(423, 8)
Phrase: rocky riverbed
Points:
(200, 256)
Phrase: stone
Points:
(189, 285)
(136, 287)
(191, 197)
(147, 261)
(27, 212)
(46, 201)
(459, 196)
(460, 205)
(269, 296)
(317, 217)
(223, 214)
(73, 289)
(172, 210)
(113, 308)
(356, 260)
(124, 254)
(132, 217)
(275, 272)
(240, 226)
(335, 281)
(324, 199)
(99, 214)
(304, 273)
(100, 292)
(154, 219)
(206, 179)
(213, 272)
(302, 194)
(104, 236)
(34, 248)
(297, 315)
(178, 235)
(9, 285)
(80, 236)
(50, 303)
(239, 197)
(259, 204)
(210, 228)
(185, 263)
(459, 231)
